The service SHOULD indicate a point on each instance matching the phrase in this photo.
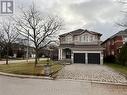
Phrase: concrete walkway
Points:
(19, 61)
(17, 86)
(91, 72)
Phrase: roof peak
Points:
(80, 31)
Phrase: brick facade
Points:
(113, 44)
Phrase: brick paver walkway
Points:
(91, 72)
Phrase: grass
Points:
(119, 68)
(29, 68)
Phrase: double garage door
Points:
(93, 58)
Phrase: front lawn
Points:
(28, 68)
(119, 68)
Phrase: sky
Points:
(95, 15)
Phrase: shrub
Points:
(110, 59)
(122, 58)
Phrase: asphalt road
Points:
(18, 86)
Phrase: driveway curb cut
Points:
(97, 82)
(50, 78)
(26, 76)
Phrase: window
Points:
(68, 39)
(91, 38)
(87, 38)
(76, 38)
(84, 37)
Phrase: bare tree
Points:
(123, 23)
(8, 36)
(41, 30)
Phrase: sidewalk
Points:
(19, 61)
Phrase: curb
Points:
(110, 83)
(97, 82)
(26, 76)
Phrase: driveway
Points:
(91, 72)
(17, 86)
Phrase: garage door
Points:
(79, 57)
(94, 58)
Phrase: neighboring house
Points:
(81, 46)
(54, 52)
(113, 44)
(18, 49)
(50, 52)
(22, 49)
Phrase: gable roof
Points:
(79, 31)
(120, 33)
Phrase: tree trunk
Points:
(7, 57)
(36, 57)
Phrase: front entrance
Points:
(79, 57)
(67, 53)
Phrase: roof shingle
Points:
(78, 32)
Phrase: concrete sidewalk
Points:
(19, 61)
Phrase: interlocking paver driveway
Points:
(91, 72)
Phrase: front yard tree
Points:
(8, 35)
(122, 58)
(40, 30)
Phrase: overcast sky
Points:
(95, 15)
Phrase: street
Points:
(18, 86)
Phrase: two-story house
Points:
(81, 46)
(113, 44)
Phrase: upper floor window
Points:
(69, 39)
(86, 38)
(76, 38)
(62, 39)
(91, 38)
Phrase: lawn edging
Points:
(26, 76)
